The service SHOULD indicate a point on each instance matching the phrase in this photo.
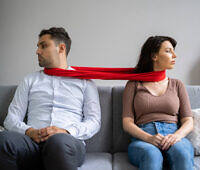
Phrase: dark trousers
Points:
(59, 152)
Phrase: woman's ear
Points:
(154, 58)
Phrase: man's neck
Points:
(63, 66)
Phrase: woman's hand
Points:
(156, 140)
(170, 140)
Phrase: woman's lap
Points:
(138, 150)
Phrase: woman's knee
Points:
(153, 155)
(182, 151)
(144, 152)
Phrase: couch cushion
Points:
(102, 141)
(196, 162)
(194, 95)
(120, 138)
(6, 95)
(194, 136)
(97, 161)
(120, 161)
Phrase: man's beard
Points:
(42, 61)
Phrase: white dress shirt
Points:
(64, 102)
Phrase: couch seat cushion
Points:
(120, 161)
(97, 161)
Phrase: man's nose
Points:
(37, 51)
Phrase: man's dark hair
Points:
(149, 49)
(59, 35)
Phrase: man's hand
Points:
(170, 140)
(41, 135)
(45, 133)
(33, 134)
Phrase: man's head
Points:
(53, 47)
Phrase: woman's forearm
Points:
(130, 127)
(186, 127)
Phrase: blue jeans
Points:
(149, 157)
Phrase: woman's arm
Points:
(185, 115)
(128, 118)
(130, 127)
(186, 127)
(184, 130)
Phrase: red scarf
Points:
(106, 73)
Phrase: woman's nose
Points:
(174, 55)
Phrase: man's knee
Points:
(15, 143)
(7, 142)
(9, 147)
(59, 144)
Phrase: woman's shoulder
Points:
(176, 82)
(130, 85)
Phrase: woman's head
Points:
(157, 54)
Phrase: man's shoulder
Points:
(33, 75)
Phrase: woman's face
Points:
(165, 58)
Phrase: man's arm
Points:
(92, 114)
(17, 109)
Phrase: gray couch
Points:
(108, 149)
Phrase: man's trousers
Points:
(60, 152)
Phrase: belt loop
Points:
(155, 125)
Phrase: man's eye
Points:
(43, 46)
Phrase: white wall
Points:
(107, 33)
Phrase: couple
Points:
(62, 112)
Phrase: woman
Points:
(152, 112)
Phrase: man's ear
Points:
(62, 48)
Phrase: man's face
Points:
(47, 52)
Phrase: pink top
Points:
(170, 106)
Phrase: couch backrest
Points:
(6, 95)
(194, 95)
(122, 139)
(102, 141)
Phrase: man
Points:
(62, 112)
